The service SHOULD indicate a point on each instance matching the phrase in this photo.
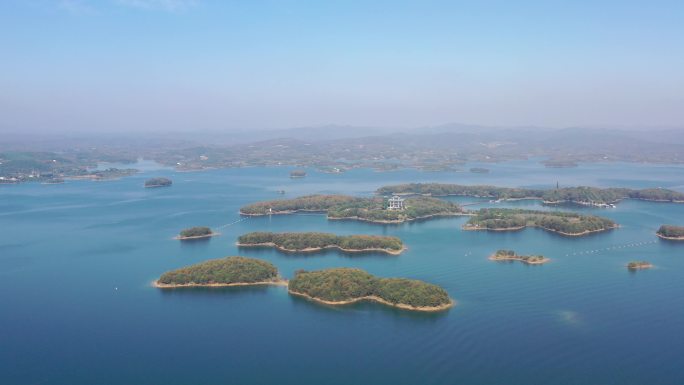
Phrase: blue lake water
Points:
(77, 260)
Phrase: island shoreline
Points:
(316, 249)
(376, 299)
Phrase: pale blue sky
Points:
(184, 65)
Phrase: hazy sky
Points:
(184, 65)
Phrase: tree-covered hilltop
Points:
(510, 255)
(566, 223)
(197, 231)
(345, 207)
(225, 271)
(316, 241)
(580, 195)
(158, 182)
(319, 203)
(671, 231)
(349, 285)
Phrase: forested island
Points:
(565, 223)
(346, 285)
(313, 241)
(229, 271)
(510, 255)
(158, 182)
(364, 209)
(196, 232)
(671, 232)
(297, 174)
(638, 265)
(578, 195)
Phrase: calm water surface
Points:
(76, 306)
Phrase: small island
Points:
(342, 286)
(671, 232)
(374, 209)
(197, 232)
(229, 271)
(639, 265)
(510, 255)
(297, 174)
(307, 242)
(564, 223)
(158, 182)
(479, 170)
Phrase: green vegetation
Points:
(297, 174)
(197, 231)
(346, 207)
(349, 285)
(566, 223)
(158, 182)
(635, 265)
(510, 255)
(579, 195)
(671, 232)
(316, 241)
(225, 271)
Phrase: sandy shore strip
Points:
(670, 238)
(315, 249)
(379, 300)
(280, 282)
(585, 232)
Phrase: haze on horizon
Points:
(184, 65)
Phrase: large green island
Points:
(346, 285)
(565, 223)
(589, 196)
(510, 255)
(313, 241)
(373, 209)
(671, 232)
(229, 271)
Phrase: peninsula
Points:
(312, 242)
(342, 286)
(158, 182)
(197, 232)
(671, 232)
(510, 255)
(638, 265)
(229, 271)
(565, 223)
(583, 195)
(374, 209)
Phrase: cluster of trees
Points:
(222, 271)
(301, 241)
(508, 254)
(341, 206)
(197, 231)
(305, 203)
(345, 284)
(657, 194)
(563, 222)
(158, 182)
(671, 231)
(580, 194)
(374, 209)
(297, 174)
(638, 265)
